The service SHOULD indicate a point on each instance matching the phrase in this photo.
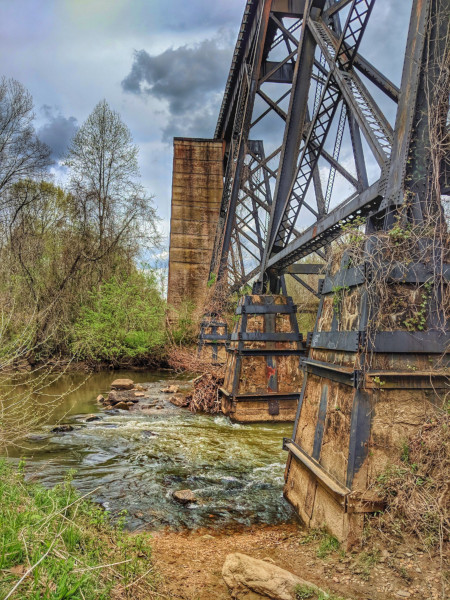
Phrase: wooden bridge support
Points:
(263, 378)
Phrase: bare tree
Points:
(22, 154)
(105, 181)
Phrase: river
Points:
(134, 461)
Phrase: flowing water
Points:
(135, 461)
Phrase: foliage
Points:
(124, 319)
(327, 543)
(339, 292)
(68, 545)
(59, 246)
(303, 592)
(416, 487)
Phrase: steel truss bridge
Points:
(316, 136)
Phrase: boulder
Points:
(179, 400)
(251, 578)
(90, 418)
(100, 399)
(113, 397)
(184, 496)
(62, 429)
(122, 384)
(171, 389)
(122, 406)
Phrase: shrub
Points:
(124, 320)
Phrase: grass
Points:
(367, 560)
(327, 543)
(56, 545)
(304, 592)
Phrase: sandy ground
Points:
(191, 563)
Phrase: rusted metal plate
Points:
(274, 407)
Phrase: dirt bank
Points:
(191, 563)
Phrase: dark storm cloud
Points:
(58, 131)
(185, 77)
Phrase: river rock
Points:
(92, 418)
(62, 429)
(171, 389)
(139, 388)
(184, 496)
(100, 399)
(179, 400)
(122, 384)
(122, 406)
(139, 394)
(251, 578)
(113, 397)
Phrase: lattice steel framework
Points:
(297, 95)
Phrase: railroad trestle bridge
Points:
(321, 165)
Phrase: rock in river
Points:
(171, 389)
(122, 384)
(179, 400)
(62, 429)
(122, 406)
(249, 577)
(184, 496)
(90, 418)
(100, 399)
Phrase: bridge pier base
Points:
(263, 377)
(212, 341)
(371, 381)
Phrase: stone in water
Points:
(122, 384)
(184, 496)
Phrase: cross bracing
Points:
(315, 133)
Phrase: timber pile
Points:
(205, 397)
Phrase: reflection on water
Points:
(138, 460)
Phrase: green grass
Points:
(67, 544)
(367, 560)
(305, 592)
(327, 542)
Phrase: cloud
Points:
(200, 123)
(58, 131)
(185, 77)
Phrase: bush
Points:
(124, 320)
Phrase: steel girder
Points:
(297, 87)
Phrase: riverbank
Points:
(190, 563)
(57, 544)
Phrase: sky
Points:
(162, 64)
